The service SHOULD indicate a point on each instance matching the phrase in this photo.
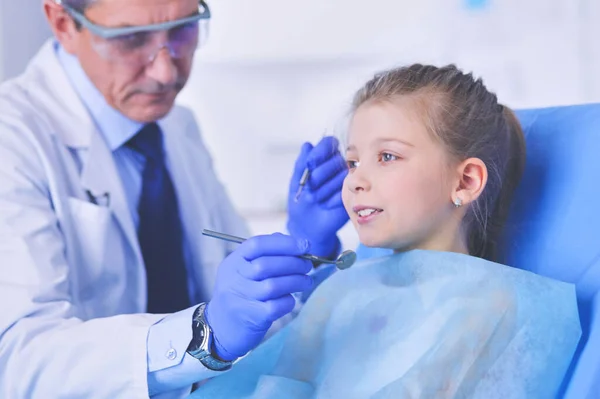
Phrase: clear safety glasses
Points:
(139, 45)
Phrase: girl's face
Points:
(398, 191)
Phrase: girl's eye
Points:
(387, 157)
(352, 164)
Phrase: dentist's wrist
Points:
(202, 345)
(217, 350)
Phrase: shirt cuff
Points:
(169, 366)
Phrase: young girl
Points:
(433, 162)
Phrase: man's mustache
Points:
(160, 88)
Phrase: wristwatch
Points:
(202, 342)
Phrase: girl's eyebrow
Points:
(384, 140)
(394, 140)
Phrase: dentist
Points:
(108, 288)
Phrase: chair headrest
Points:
(554, 225)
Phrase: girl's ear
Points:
(471, 179)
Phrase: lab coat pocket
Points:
(91, 226)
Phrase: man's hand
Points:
(319, 212)
(253, 289)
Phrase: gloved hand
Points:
(253, 289)
(319, 212)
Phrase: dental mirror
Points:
(342, 262)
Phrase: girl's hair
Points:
(466, 118)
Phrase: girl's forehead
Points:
(399, 119)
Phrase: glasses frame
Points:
(111, 33)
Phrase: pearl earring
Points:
(458, 202)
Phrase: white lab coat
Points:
(72, 279)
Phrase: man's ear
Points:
(62, 25)
(472, 175)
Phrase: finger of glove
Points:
(326, 149)
(327, 171)
(275, 266)
(332, 187)
(276, 287)
(257, 316)
(272, 245)
(335, 202)
(274, 309)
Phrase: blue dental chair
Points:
(554, 226)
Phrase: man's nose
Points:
(162, 68)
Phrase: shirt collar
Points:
(116, 128)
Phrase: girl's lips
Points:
(367, 218)
(359, 208)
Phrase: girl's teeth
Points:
(366, 212)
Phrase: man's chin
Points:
(151, 112)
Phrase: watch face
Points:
(198, 337)
(197, 343)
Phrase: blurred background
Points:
(276, 73)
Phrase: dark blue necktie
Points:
(160, 232)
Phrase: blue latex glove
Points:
(319, 212)
(253, 289)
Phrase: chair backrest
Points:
(554, 225)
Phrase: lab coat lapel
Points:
(102, 183)
(74, 127)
